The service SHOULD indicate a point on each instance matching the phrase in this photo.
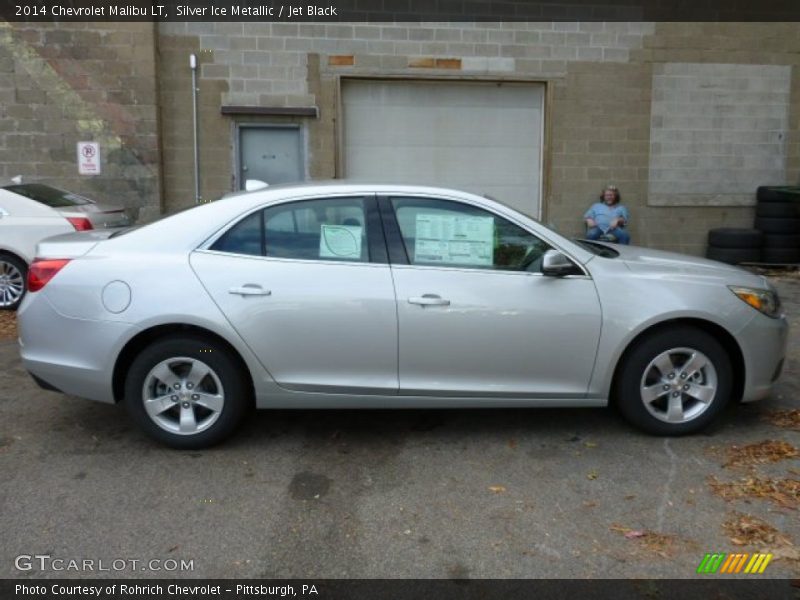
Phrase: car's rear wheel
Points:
(186, 392)
(13, 272)
(674, 381)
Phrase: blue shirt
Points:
(603, 214)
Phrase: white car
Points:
(30, 212)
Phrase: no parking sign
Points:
(88, 158)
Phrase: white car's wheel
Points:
(13, 273)
(186, 392)
(675, 381)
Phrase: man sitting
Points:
(606, 220)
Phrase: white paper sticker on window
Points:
(340, 241)
(454, 239)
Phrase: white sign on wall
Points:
(88, 158)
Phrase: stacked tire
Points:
(778, 217)
(734, 246)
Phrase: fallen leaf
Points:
(787, 419)
(512, 443)
(592, 476)
(783, 492)
(635, 534)
(497, 489)
(590, 445)
(786, 552)
(747, 530)
(768, 451)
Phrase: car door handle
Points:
(250, 289)
(429, 300)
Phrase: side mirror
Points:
(555, 264)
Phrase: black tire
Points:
(777, 240)
(725, 237)
(236, 392)
(772, 193)
(734, 256)
(779, 210)
(634, 370)
(780, 256)
(774, 225)
(13, 274)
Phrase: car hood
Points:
(657, 263)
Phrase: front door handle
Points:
(429, 300)
(249, 289)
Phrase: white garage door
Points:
(480, 137)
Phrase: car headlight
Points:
(765, 301)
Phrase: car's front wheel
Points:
(186, 392)
(674, 381)
(13, 272)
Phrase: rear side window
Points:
(327, 229)
(49, 196)
(246, 237)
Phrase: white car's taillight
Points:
(80, 223)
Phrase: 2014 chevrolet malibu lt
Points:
(344, 296)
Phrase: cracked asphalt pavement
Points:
(373, 494)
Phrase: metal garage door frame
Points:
(545, 154)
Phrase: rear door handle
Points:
(249, 289)
(429, 300)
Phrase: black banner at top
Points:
(399, 10)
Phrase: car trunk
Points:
(100, 216)
(71, 245)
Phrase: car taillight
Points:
(42, 270)
(80, 223)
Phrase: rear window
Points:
(49, 196)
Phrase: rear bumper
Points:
(763, 342)
(73, 356)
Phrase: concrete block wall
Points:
(606, 85)
(715, 129)
(266, 63)
(69, 82)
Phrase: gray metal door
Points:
(272, 154)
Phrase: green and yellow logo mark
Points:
(734, 563)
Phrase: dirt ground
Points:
(428, 494)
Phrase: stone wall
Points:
(600, 125)
(69, 82)
(128, 87)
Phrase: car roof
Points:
(349, 186)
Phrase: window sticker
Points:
(340, 241)
(454, 239)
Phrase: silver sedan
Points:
(348, 296)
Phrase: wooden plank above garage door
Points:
(483, 137)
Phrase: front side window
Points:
(452, 234)
(326, 229)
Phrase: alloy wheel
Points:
(678, 385)
(12, 284)
(183, 395)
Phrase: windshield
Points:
(598, 249)
(49, 196)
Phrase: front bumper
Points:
(763, 341)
